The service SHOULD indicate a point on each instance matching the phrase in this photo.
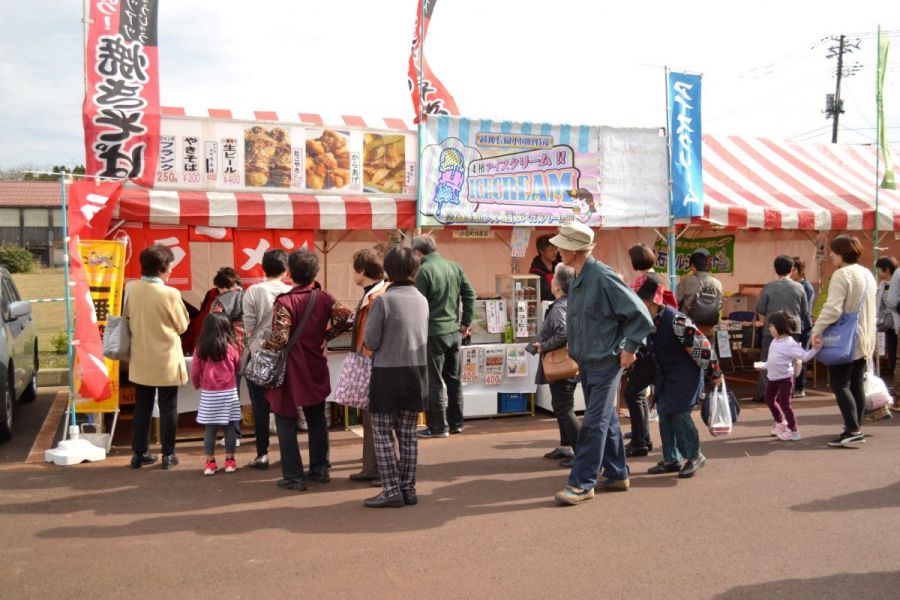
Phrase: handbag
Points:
(839, 338)
(117, 336)
(557, 364)
(266, 368)
(353, 384)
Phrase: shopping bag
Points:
(117, 338)
(732, 404)
(719, 411)
(877, 394)
(839, 338)
(353, 384)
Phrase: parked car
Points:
(18, 352)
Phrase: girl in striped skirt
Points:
(215, 365)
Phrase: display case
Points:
(522, 294)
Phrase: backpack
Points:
(232, 304)
(704, 306)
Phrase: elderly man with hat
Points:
(606, 325)
(682, 354)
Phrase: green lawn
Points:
(50, 317)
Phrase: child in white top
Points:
(785, 355)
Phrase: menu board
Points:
(472, 363)
(233, 156)
(494, 363)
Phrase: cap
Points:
(574, 236)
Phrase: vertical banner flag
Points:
(436, 99)
(888, 181)
(685, 144)
(121, 103)
(104, 268)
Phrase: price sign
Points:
(493, 379)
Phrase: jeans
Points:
(209, 439)
(847, 384)
(637, 392)
(600, 440)
(778, 398)
(680, 438)
(167, 398)
(443, 369)
(260, 417)
(291, 462)
(562, 400)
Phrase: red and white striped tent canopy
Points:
(767, 184)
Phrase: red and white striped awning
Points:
(266, 211)
(767, 184)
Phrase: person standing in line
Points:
(156, 317)
(257, 303)
(397, 333)
(643, 372)
(307, 382)
(851, 289)
(893, 302)
(689, 289)
(229, 301)
(544, 264)
(214, 369)
(885, 267)
(562, 391)
(779, 369)
(798, 274)
(782, 294)
(368, 273)
(444, 285)
(682, 355)
(605, 325)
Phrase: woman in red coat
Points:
(307, 382)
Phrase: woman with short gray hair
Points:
(562, 392)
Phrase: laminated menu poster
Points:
(472, 364)
(495, 313)
(521, 319)
(516, 361)
(494, 362)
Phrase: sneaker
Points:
(210, 467)
(778, 429)
(789, 436)
(573, 495)
(876, 415)
(230, 465)
(847, 440)
(798, 394)
(654, 416)
(558, 454)
(428, 434)
(691, 467)
(612, 485)
(260, 462)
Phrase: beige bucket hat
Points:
(574, 236)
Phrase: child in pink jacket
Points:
(213, 372)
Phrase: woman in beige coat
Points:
(852, 288)
(156, 317)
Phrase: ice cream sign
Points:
(537, 178)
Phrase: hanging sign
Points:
(685, 144)
(721, 253)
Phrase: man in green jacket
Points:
(443, 284)
(606, 324)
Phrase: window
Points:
(9, 217)
(37, 217)
(57, 217)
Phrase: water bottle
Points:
(508, 333)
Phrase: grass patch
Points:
(52, 360)
(50, 317)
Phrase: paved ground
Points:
(765, 519)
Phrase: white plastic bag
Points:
(719, 411)
(877, 394)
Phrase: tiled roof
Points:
(30, 193)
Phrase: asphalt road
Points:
(764, 519)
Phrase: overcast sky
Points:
(562, 61)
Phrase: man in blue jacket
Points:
(606, 325)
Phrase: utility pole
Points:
(834, 106)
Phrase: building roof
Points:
(30, 193)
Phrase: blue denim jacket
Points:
(604, 317)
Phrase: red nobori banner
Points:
(121, 105)
(436, 99)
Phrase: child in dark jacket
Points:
(215, 364)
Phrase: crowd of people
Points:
(414, 313)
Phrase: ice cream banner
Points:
(104, 266)
(504, 173)
(721, 253)
(231, 156)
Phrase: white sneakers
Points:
(778, 429)
(789, 436)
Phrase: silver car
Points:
(18, 352)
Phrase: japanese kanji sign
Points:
(121, 104)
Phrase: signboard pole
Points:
(421, 123)
(671, 239)
(70, 333)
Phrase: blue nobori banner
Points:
(685, 143)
